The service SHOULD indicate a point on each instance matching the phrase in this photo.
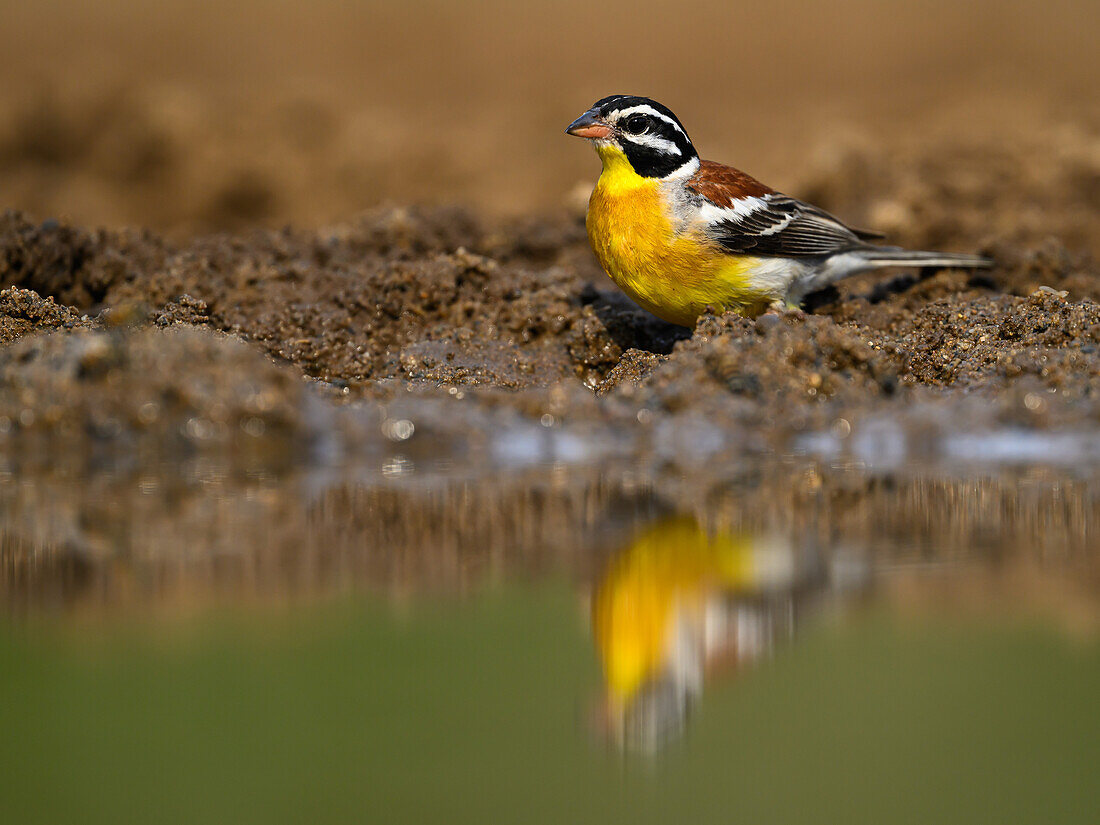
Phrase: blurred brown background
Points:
(188, 115)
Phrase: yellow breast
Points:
(668, 270)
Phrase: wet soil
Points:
(427, 398)
(449, 308)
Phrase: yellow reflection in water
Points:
(679, 604)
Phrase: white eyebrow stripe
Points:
(653, 142)
(649, 110)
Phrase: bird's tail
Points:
(873, 257)
(854, 261)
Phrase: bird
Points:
(682, 236)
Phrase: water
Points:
(534, 635)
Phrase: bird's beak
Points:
(589, 126)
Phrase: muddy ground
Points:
(227, 338)
(241, 413)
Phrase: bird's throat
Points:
(617, 171)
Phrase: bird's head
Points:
(649, 135)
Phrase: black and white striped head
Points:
(649, 134)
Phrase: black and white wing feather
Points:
(745, 217)
(780, 226)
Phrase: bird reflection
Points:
(679, 605)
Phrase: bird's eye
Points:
(635, 124)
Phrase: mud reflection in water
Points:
(205, 531)
(750, 538)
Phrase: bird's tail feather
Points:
(874, 257)
(854, 261)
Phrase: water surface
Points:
(790, 639)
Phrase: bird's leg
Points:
(782, 308)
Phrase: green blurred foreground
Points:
(482, 712)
